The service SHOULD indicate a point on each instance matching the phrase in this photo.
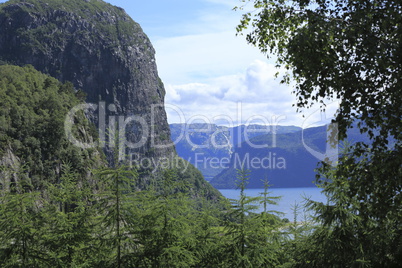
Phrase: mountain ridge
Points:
(284, 155)
(210, 141)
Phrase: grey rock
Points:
(98, 48)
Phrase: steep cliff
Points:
(102, 51)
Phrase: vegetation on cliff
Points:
(101, 18)
(33, 143)
(102, 51)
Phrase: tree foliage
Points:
(346, 50)
(20, 225)
(116, 211)
(349, 51)
(254, 238)
(33, 107)
(111, 224)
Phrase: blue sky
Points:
(210, 74)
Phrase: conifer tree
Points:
(67, 221)
(254, 241)
(19, 225)
(116, 208)
(209, 244)
(164, 234)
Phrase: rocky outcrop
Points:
(9, 167)
(104, 53)
(101, 50)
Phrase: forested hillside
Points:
(33, 142)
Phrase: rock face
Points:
(98, 48)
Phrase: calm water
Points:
(289, 197)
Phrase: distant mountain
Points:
(210, 147)
(285, 163)
(290, 162)
(285, 155)
(198, 142)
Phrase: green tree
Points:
(267, 199)
(164, 229)
(272, 236)
(346, 233)
(297, 231)
(33, 108)
(20, 225)
(67, 222)
(209, 243)
(253, 239)
(347, 51)
(116, 210)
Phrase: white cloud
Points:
(255, 90)
(197, 58)
(211, 50)
(253, 96)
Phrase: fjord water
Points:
(289, 197)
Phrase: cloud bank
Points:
(253, 96)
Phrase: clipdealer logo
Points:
(113, 128)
